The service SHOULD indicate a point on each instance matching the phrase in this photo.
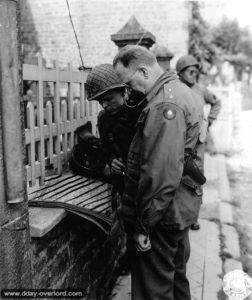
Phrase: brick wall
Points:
(77, 255)
(46, 27)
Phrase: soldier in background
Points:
(187, 69)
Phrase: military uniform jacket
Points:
(167, 126)
(116, 132)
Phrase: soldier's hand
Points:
(142, 242)
(107, 171)
(117, 166)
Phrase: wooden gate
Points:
(51, 120)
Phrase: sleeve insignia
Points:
(169, 113)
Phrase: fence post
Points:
(57, 119)
(41, 121)
(15, 264)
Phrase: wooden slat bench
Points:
(89, 198)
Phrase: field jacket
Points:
(167, 127)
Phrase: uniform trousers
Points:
(160, 273)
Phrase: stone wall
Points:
(76, 255)
(46, 27)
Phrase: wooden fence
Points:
(50, 124)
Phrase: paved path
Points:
(205, 266)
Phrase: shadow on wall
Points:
(30, 43)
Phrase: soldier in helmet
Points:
(116, 122)
(187, 69)
(159, 203)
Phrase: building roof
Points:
(132, 33)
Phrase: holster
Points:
(192, 170)
(191, 184)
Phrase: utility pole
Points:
(15, 261)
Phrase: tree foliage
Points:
(200, 45)
(234, 44)
(226, 41)
(226, 36)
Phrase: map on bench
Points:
(89, 198)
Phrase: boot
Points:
(195, 226)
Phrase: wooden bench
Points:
(88, 198)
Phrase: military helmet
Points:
(101, 79)
(186, 61)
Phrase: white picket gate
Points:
(50, 124)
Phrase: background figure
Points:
(187, 68)
(159, 203)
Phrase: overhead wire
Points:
(140, 40)
(76, 37)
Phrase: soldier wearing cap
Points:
(187, 68)
(159, 203)
(116, 122)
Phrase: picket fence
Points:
(50, 124)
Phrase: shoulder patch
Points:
(169, 113)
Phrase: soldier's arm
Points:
(164, 136)
(215, 104)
